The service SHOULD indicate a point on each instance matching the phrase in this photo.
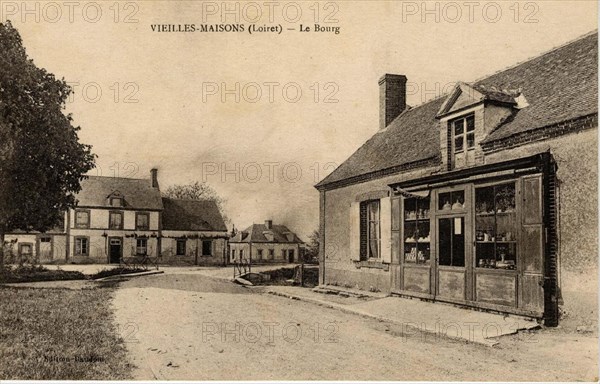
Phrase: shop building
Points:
(485, 197)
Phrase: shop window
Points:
(181, 247)
(142, 221)
(115, 220)
(451, 236)
(206, 248)
(416, 230)
(141, 247)
(82, 246)
(449, 201)
(82, 219)
(370, 230)
(496, 227)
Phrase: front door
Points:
(115, 245)
(45, 247)
(451, 258)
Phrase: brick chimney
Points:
(269, 224)
(154, 178)
(392, 98)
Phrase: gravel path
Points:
(193, 327)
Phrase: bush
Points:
(34, 273)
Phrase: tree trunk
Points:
(1, 250)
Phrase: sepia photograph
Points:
(298, 191)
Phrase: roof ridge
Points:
(113, 177)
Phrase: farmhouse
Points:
(265, 243)
(119, 218)
(485, 197)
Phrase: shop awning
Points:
(412, 194)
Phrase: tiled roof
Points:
(191, 215)
(137, 193)
(559, 85)
(256, 234)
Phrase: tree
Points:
(313, 245)
(197, 191)
(41, 159)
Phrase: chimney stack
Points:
(154, 178)
(269, 224)
(392, 98)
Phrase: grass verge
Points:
(60, 334)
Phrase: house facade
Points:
(119, 218)
(486, 197)
(193, 232)
(265, 243)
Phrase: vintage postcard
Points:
(323, 190)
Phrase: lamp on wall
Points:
(104, 234)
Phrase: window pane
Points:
(470, 123)
(416, 231)
(452, 242)
(458, 143)
(470, 140)
(82, 218)
(459, 127)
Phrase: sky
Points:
(263, 117)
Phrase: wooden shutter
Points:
(532, 244)
(385, 220)
(355, 231)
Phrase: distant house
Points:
(265, 243)
(193, 231)
(119, 217)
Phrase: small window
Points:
(241, 254)
(181, 247)
(233, 254)
(370, 230)
(271, 254)
(463, 132)
(141, 247)
(45, 239)
(283, 254)
(82, 246)
(116, 201)
(260, 254)
(25, 249)
(206, 248)
(142, 221)
(82, 219)
(115, 220)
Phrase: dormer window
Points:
(463, 130)
(116, 201)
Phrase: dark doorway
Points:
(291, 256)
(115, 249)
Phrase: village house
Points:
(119, 218)
(265, 243)
(485, 197)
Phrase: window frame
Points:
(177, 243)
(367, 221)
(117, 198)
(466, 132)
(137, 222)
(211, 248)
(89, 219)
(259, 254)
(271, 254)
(81, 253)
(138, 246)
(121, 214)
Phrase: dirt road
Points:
(193, 327)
